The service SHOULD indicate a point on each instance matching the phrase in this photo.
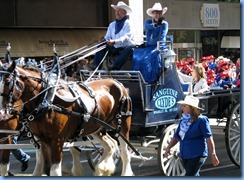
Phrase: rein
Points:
(88, 117)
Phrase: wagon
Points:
(155, 112)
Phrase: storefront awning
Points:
(230, 42)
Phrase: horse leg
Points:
(106, 165)
(126, 158)
(47, 159)
(39, 162)
(42, 160)
(77, 169)
(125, 153)
(56, 150)
(4, 162)
(4, 157)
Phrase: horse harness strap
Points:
(124, 102)
(83, 115)
(87, 88)
(74, 88)
(63, 110)
(76, 93)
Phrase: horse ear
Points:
(12, 66)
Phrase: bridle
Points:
(12, 80)
(9, 79)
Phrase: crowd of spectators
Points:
(220, 72)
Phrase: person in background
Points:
(204, 61)
(119, 38)
(212, 64)
(198, 79)
(20, 155)
(224, 80)
(238, 66)
(211, 77)
(237, 82)
(147, 60)
(195, 137)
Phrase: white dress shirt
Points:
(124, 38)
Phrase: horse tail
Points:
(125, 102)
(126, 112)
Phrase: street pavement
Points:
(150, 168)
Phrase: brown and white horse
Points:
(103, 100)
(7, 123)
(12, 122)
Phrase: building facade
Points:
(199, 28)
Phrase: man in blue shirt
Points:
(119, 38)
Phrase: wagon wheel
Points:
(232, 135)
(94, 156)
(171, 166)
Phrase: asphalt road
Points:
(149, 168)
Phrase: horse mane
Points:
(31, 68)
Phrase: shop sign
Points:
(210, 15)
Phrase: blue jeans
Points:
(121, 53)
(193, 166)
(19, 154)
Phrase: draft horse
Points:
(77, 109)
(7, 123)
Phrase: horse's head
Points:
(7, 82)
(17, 84)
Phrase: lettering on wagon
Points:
(165, 98)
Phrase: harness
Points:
(45, 102)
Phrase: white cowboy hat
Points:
(191, 101)
(226, 60)
(122, 5)
(220, 57)
(156, 7)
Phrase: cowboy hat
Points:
(220, 57)
(122, 5)
(156, 7)
(191, 101)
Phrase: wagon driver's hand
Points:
(215, 160)
(110, 42)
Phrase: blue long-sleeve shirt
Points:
(154, 34)
(194, 143)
